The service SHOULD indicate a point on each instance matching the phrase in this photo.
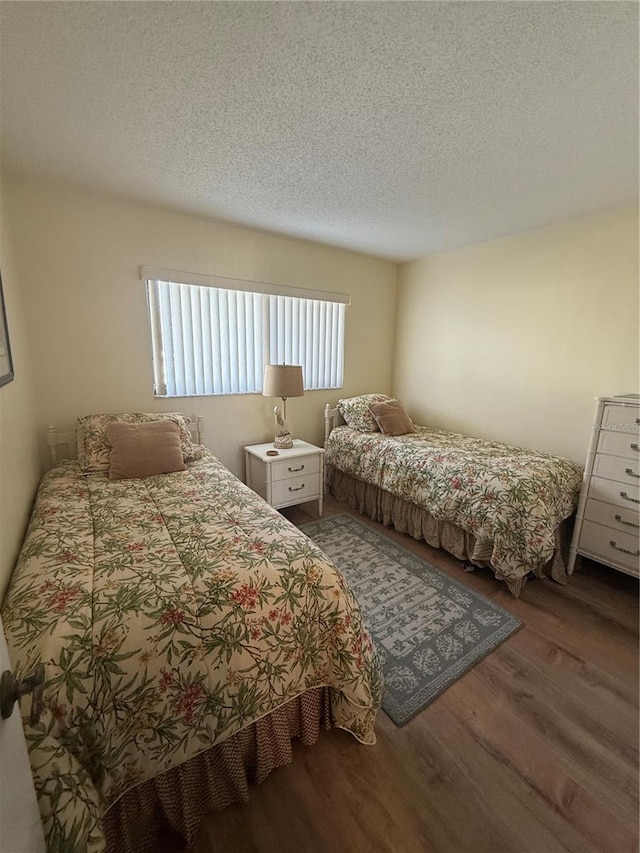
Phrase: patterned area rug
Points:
(428, 628)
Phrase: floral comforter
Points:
(509, 496)
(170, 613)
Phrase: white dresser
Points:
(607, 527)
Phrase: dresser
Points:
(607, 524)
(286, 477)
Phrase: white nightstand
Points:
(294, 476)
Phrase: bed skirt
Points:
(407, 517)
(162, 812)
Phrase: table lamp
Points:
(283, 380)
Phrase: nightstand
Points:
(294, 476)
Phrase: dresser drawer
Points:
(617, 468)
(617, 518)
(283, 469)
(295, 489)
(611, 492)
(621, 419)
(620, 548)
(620, 444)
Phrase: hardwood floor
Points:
(535, 750)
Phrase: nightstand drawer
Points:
(620, 548)
(301, 466)
(296, 489)
(618, 468)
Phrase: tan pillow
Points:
(93, 445)
(144, 449)
(392, 418)
(356, 413)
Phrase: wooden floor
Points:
(535, 750)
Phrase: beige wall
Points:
(512, 339)
(509, 339)
(19, 463)
(78, 256)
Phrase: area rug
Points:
(428, 628)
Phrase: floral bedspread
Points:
(512, 497)
(170, 613)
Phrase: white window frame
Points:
(288, 325)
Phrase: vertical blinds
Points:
(212, 340)
(310, 333)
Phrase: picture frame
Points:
(6, 361)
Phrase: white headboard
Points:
(58, 440)
(332, 418)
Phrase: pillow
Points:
(94, 448)
(392, 418)
(144, 449)
(356, 412)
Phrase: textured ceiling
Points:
(396, 129)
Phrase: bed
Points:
(487, 503)
(188, 632)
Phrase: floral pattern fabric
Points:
(94, 449)
(357, 414)
(169, 613)
(509, 496)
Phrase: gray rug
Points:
(428, 628)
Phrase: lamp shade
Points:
(283, 380)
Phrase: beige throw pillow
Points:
(93, 445)
(392, 418)
(144, 449)
(356, 412)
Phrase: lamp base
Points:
(284, 438)
(283, 442)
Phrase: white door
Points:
(20, 826)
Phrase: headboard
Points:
(57, 440)
(332, 418)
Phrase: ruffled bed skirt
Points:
(407, 517)
(170, 807)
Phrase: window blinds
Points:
(311, 333)
(213, 340)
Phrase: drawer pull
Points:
(293, 470)
(628, 523)
(629, 471)
(624, 550)
(638, 420)
(627, 498)
(634, 446)
(297, 489)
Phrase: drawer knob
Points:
(627, 498)
(634, 446)
(297, 489)
(293, 470)
(624, 550)
(628, 523)
(629, 471)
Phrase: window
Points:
(214, 335)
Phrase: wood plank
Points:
(535, 749)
